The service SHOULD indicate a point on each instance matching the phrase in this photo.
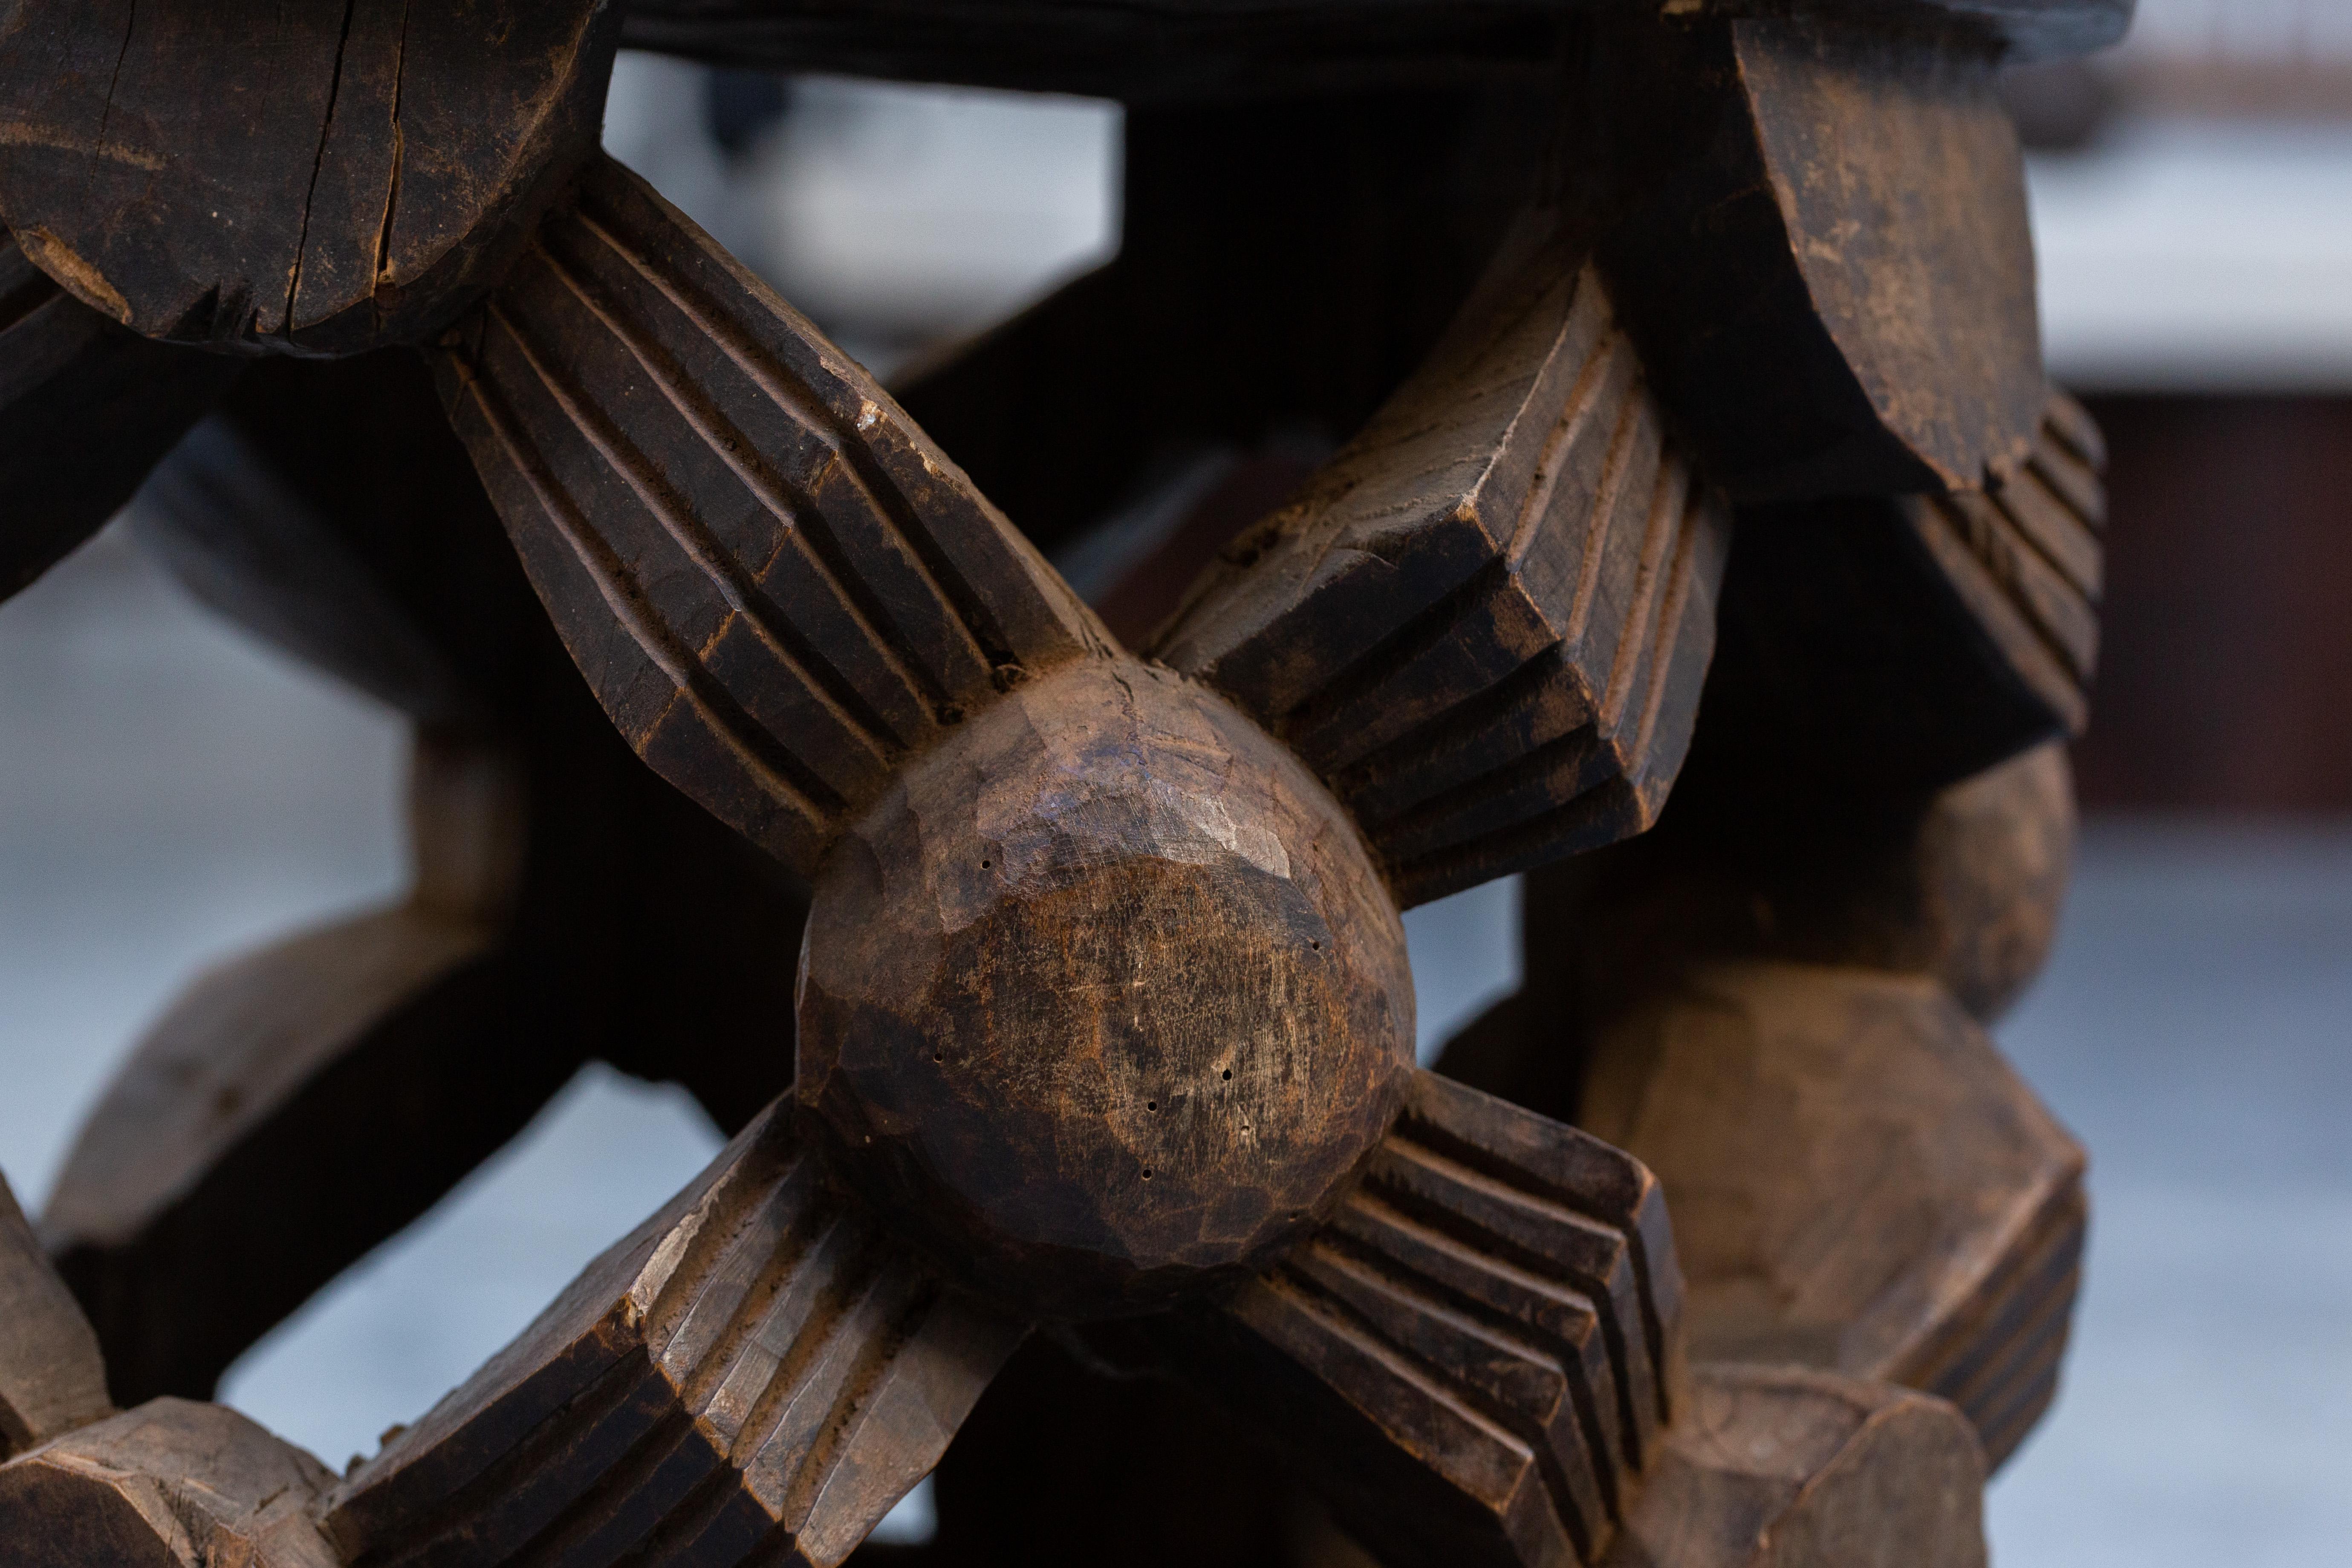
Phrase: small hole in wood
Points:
(1229, 1075)
(1150, 1105)
(1147, 1173)
(1316, 943)
(984, 865)
(938, 1056)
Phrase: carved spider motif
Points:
(1102, 1018)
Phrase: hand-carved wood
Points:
(1104, 1020)
(1820, 240)
(1859, 1182)
(1821, 1066)
(773, 582)
(1163, 47)
(1877, 646)
(1785, 1467)
(1244, 309)
(306, 1091)
(51, 1380)
(169, 1485)
(243, 540)
(1474, 1358)
(357, 191)
(1966, 887)
(85, 409)
(1110, 995)
(756, 1373)
(1488, 620)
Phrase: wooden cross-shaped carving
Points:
(1099, 1036)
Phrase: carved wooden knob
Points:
(1106, 998)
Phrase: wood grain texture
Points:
(1885, 645)
(1166, 49)
(777, 586)
(169, 1485)
(1859, 1181)
(1481, 1350)
(86, 408)
(51, 1380)
(348, 178)
(1785, 1467)
(1106, 997)
(755, 1375)
(1819, 241)
(564, 904)
(1487, 622)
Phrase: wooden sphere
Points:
(1105, 998)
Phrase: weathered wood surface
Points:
(1877, 646)
(1819, 241)
(564, 903)
(1106, 997)
(86, 408)
(775, 584)
(1478, 1354)
(1966, 887)
(1488, 620)
(1859, 1182)
(1283, 266)
(1168, 49)
(756, 1373)
(348, 178)
(1782, 1467)
(169, 1485)
(1788, 1468)
(295, 1107)
(51, 1380)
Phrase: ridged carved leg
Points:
(1478, 1356)
(756, 1375)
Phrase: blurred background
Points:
(174, 794)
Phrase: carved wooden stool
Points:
(1045, 964)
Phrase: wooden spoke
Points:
(86, 408)
(1879, 645)
(1488, 621)
(756, 1373)
(341, 519)
(1477, 1354)
(248, 543)
(51, 1380)
(777, 586)
(332, 1087)
(1784, 1468)
(1238, 312)
(1822, 246)
(359, 190)
(1160, 50)
(1859, 1182)
(565, 903)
